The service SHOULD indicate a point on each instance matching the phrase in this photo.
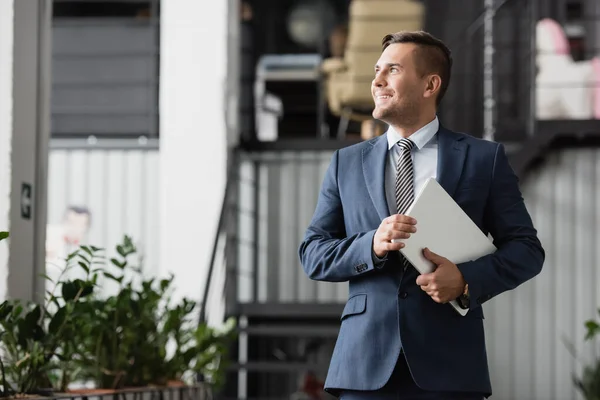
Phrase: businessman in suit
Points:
(399, 339)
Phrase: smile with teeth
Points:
(383, 97)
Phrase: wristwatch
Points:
(464, 300)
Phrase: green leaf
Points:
(84, 258)
(114, 278)
(46, 277)
(18, 310)
(87, 250)
(164, 284)
(29, 328)
(84, 288)
(72, 255)
(69, 290)
(85, 267)
(4, 235)
(55, 301)
(97, 249)
(57, 321)
(34, 315)
(118, 263)
(5, 310)
(592, 329)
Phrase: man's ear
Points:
(433, 85)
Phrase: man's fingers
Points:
(390, 246)
(399, 218)
(435, 294)
(402, 227)
(424, 279)
(431, 256)
(390, 235)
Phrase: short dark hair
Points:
(433, 56)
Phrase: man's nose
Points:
(378, 81)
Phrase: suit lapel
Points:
(374, 158)
(452, 151)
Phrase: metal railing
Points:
(269, 199)
(277, 195)
(217, 290)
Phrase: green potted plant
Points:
(117, 341)
(198, 349)
(589, 382)
(34, 336)
(128, 334)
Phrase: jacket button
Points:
(403, 295)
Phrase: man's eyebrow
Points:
(389, 65)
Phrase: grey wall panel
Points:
(288, 185)
(245, 237)
(120, 189)
(529, 329)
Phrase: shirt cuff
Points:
(378, 262)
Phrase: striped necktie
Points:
(405, 192)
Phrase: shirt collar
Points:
(420, 137)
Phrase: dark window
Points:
(105, 57)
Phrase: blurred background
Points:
(203, 129)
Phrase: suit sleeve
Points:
(326, 253)
(519, 256)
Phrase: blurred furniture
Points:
(348, 78)
(565, 89)
(286, 94)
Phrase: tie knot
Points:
(406, 144)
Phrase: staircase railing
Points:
(215, 294)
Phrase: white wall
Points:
(117, 181)
(6, 60)
(192, 136)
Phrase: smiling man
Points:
(399, 339)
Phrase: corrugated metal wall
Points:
(526, 329)
(289, 184)
(119, 186)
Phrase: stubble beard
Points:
(406, 114)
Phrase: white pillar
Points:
(193, 136)
(24, 132)
(6, 46)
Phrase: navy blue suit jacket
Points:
(386, 310)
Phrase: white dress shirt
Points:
(424, 156)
